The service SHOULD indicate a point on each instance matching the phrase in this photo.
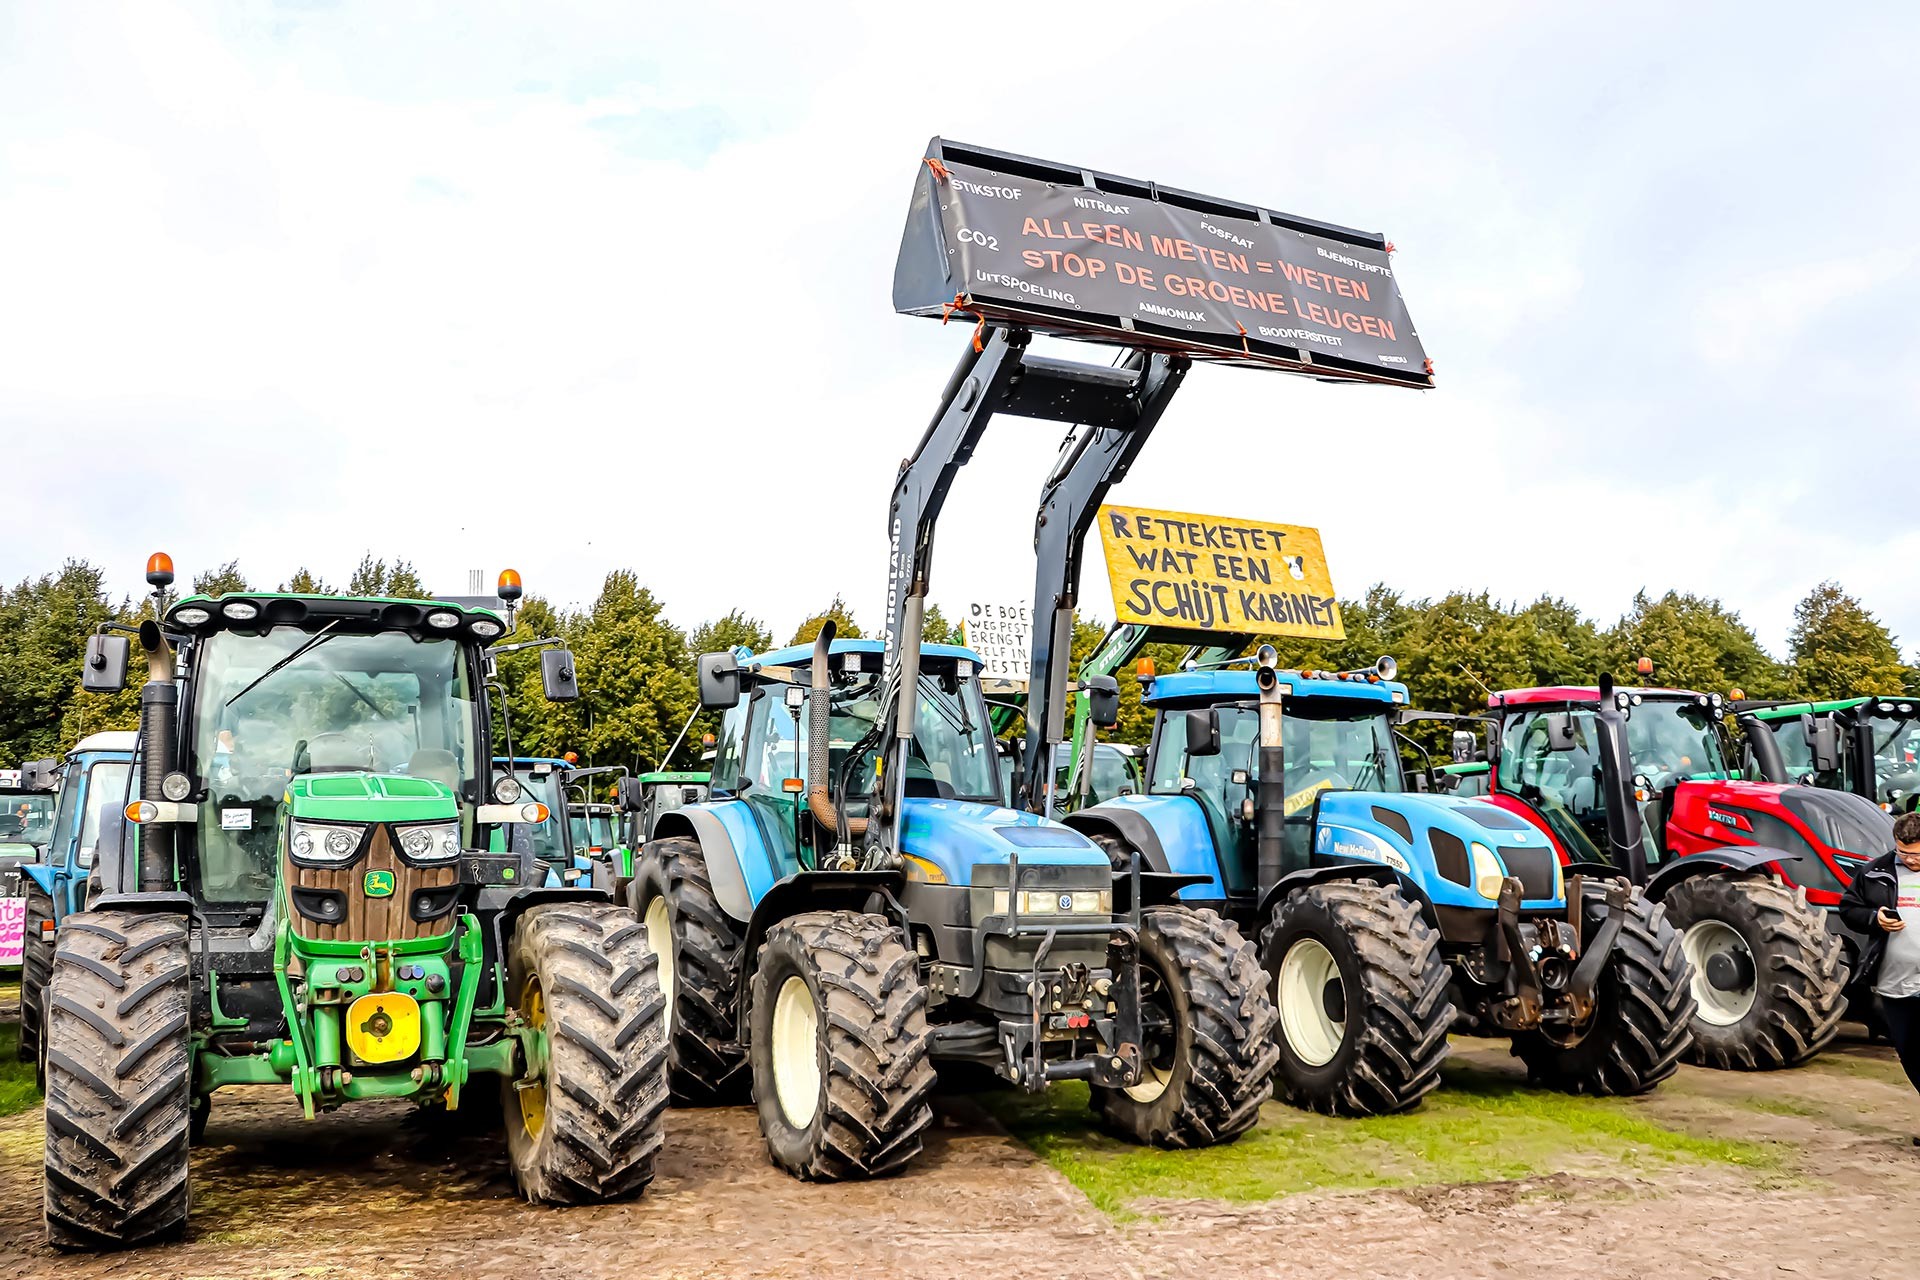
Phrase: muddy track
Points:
(368, 1193)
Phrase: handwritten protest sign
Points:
(13, 929)
(1208, 573)
(1002, 634)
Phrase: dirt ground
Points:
(367, 1194)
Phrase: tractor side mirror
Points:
(629, 795)
(1463, 746)
(1823, 741)
(719, 681)
(1420, 782)
(557, 677)
(1103, 700)
(40, 775)
(105, 670)
(1203, 732)
(1560, 735)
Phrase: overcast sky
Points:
(572, 287)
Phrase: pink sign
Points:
(13, 929)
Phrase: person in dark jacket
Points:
(1883, 902)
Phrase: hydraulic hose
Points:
(819, 713)
(159, 713)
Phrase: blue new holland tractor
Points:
(1386, 916)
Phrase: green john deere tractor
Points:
(305, 906)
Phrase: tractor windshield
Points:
(27, 817)
(1671, 740)
(268, 705)
(1330, 746)
(1795, 752)
(1896, 760)
(953, 755)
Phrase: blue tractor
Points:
(1386, 916)
(95, 783)
(855, 903)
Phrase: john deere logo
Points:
(378, 884)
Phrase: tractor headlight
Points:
(1057, 902)
(325, 844)
(1488, 874)
(430, 842)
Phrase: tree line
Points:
(638, 692)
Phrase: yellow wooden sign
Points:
(1207, 573)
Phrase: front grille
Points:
(1533, 866)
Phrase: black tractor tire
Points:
(36, 963)
(1643, 1009)
(1205, 1087)
(873, 1080)
(1392, 984)
(119, 1077)
(1799, 973)
(585, 968)
(700, 959)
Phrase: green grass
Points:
(1479, 1127)
(17, 1090)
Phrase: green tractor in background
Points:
(306, 906)
(1867, 745)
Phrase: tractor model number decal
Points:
(1345, 842)
(378, 884)
(1301, 799)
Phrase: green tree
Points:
(935, 629)
(1695, 643)
(844, 625)
(218, 582)
(376, 578)
(44, 625)
(307, 583)
(734, 630)
(1839, 648)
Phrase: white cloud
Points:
(611, 289)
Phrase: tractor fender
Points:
(1135, 829)
(724, 871)
(40, 874)
(172, 903)
(1377, 872)
(1743, 857)
(815, 891)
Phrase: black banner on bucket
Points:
(1110, 259)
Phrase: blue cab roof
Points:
(800, 654)
(1223, 683)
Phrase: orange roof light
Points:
(1144, 669)
(1644, 666)
(159, 570)
(1737, 694)
(571, 757)
(509, 588)
(706, 739)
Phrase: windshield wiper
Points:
(319, 637)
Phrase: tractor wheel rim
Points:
(1704, 940)
(533, 1098)
(1153, 1083)
(796, 1052)
(1301, 992)
(660, 942)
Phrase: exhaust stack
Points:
(819, 710)
(159, 714)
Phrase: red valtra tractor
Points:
(1636, 782)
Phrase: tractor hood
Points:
(370, 797)
(1431, 838)
(1727, 812)
(958, 835)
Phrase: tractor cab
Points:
(1667, 787)
(1869, 746)
(1338, 735)
(547, 844)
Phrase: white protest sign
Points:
(1002, 634)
